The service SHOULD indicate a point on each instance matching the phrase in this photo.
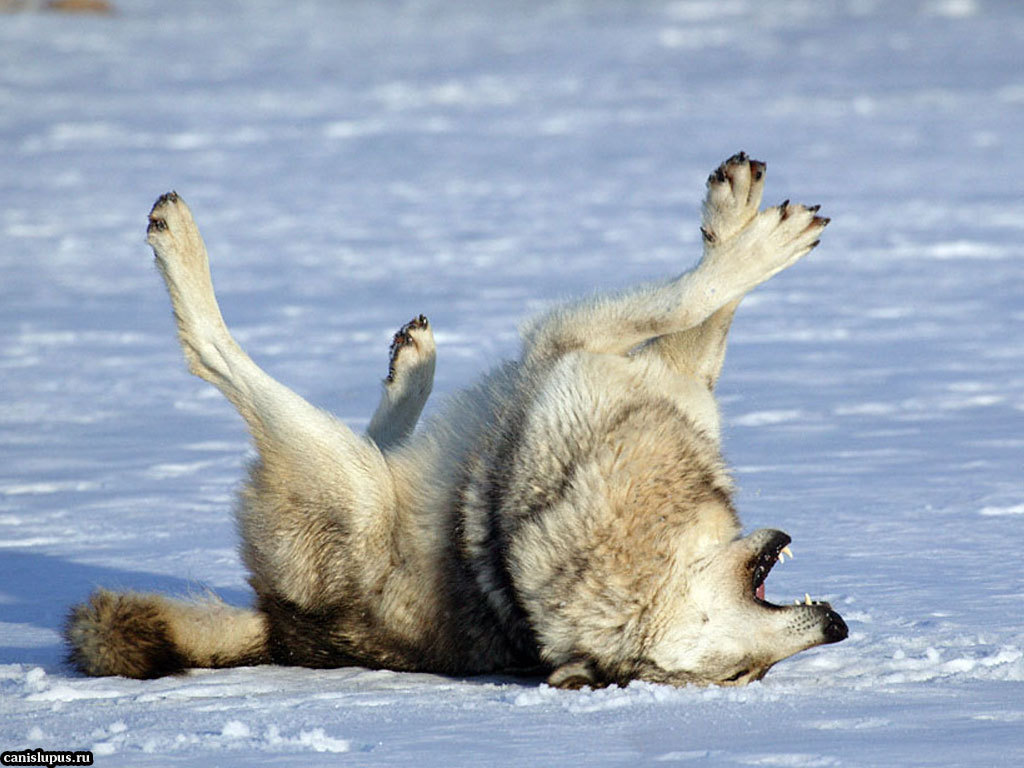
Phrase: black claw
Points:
(709, 237)
(784, 210)
(814, 208)
(391, 365)
(156, 225)
(167, 197)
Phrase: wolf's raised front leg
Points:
(743, 248)
(734, 192)
(316, 481)
(407, 386)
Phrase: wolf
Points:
(570, 516)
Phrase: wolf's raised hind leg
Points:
(743, 248)
(316, 483)
(407, 386)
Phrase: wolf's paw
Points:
(412, 349)
(788, 231)
(173, 233)
(773, 240)
(734, 194)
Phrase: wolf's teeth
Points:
(807, 599)
(787, 552)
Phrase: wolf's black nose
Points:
(835, 629)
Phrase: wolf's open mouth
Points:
(775, 551)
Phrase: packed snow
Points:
(354, 164)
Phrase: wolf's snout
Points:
(835, 628)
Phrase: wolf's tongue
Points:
(760, 591)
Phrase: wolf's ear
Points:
(575, 674)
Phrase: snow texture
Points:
(355, 164)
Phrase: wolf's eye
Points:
(737, 676)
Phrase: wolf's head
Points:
(720, 630)
(710, 624)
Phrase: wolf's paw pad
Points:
(411, 346)
(734, 194)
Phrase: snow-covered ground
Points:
(353, 164)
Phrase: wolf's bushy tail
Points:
(144, 635)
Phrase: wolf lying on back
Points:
(569, 515)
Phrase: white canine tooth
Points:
(807, 599)
(787, 552)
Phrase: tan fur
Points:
(140, 635)
(407, 386)
(569, 514)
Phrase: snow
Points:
(354, 164)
